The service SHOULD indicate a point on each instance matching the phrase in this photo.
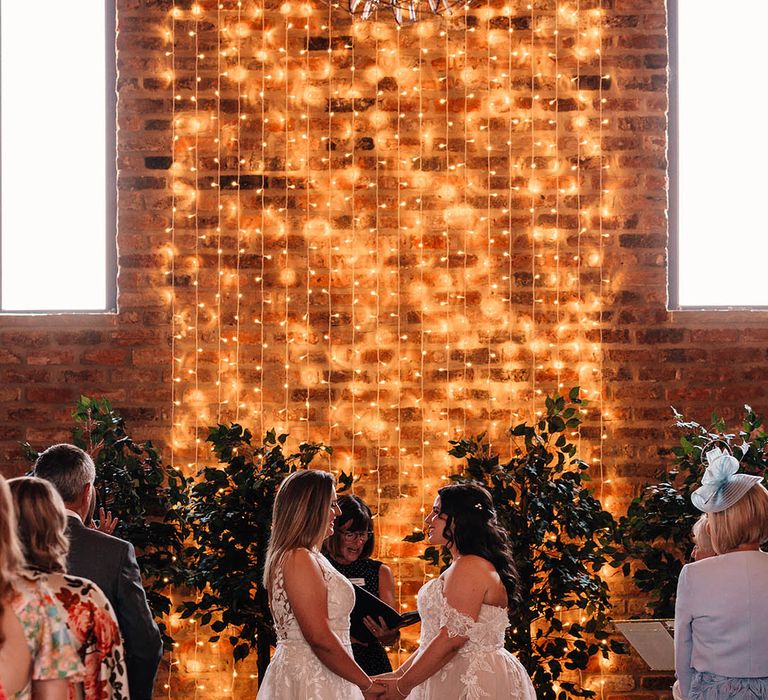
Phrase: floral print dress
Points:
(95, 634)
(50, 646)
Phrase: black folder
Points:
(368, 604)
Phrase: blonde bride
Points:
(309, 599)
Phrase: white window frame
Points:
(110, 175)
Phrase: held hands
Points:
(393, 688)
(107, 522)
(375, 691)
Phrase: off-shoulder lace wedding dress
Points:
(295, 673)
(483, 668)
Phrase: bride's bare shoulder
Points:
(299, 558)
(472, 565)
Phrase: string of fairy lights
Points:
(384, 238)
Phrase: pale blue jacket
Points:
(721, 617)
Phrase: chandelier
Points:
(403, 11)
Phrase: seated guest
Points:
(36, 654)
(92, 624)
(721, 649)
(349, 549)
(107, 561)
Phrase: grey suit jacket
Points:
(111, 564)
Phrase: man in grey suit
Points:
(107, 561)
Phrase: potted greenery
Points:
(657, 528)
(148, 497)
(562, 537)
(230, 517)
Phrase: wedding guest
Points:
(349, 549)
(702, 549)
(465, 611)
(721, 649)
(309, 599)
(107, 561)
(702, 542)
(37, 658)
(91, 621)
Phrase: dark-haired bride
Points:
(465, 612)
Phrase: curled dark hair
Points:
(471, 526)
(355, 511)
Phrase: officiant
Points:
(349, 549)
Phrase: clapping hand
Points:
(107, 522)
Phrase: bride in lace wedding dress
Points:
(310, 600)
(464, 612)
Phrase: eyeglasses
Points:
(362, 535)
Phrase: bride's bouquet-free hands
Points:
(377, 690)
(390, 682)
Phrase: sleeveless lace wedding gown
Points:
(483, 668)
(295, 673)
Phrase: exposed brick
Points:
(474, 209)
(48, 395)
(51, 357)
(104, 356)
(158, 162)
(661, 335)
(24, 339)
(140, 183)
(9, 358)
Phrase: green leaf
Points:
(414, 537)
(687, 445)
(560, 536)
(344, 482)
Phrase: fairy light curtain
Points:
(384, 237)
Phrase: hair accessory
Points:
(721, 486)
(485, 510)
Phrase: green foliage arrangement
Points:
(211, 533)
(149, 498)
(562, 538)
(230, 515)
(657, 527)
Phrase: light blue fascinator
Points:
(721, 485)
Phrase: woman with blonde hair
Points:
(36, 654)
(42, 526)
(702, 542)
(721, 649)
(309, 599)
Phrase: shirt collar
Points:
(72, 514)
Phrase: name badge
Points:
(358, 581)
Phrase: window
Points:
(718, 154)
(57, 168)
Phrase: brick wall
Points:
(387, 282)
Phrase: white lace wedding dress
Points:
(483, 668)
(295, 673)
